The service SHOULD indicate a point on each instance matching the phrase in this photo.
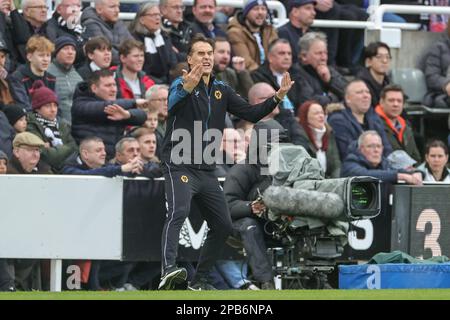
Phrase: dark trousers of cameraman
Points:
(182, 184)
(252, 235)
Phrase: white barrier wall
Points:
(79, 217)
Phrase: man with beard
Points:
(197, 107)
(204, 12)
(250, 34)
(237, 77)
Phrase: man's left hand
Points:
(117, 113)
(238, 63)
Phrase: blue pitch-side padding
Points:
(394, 276)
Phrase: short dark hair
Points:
(199, 38)
(435, 143)
(277, 41)
(95, 77)
(89, 139)
(128, 45)
(372, 49)
(142, 132)
(195, 3)
(220, 39)
(392, 87)
(95, 43)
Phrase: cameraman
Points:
(242, 186)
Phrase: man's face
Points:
(39, 60)
(262, 95)
(257, 15)
(372, 149)
(109, 10)
(173, 11)
(304, 14)
(105, 89)
(36, 12)
(233, 144)
(204, 11)
(358, 97)
(147, 143)
(392, 104)
(380, 63)
(280, 58)
(130, 150)
(2, 59)
(94, 154)
(66, 56)
(159, 100)
(48, 111)
(436, 158)
(316, 55)
(68, 8)
(202, 53)
(222, 55)
(101, 57)
(134, 61)
(28, 156)
(3, 166)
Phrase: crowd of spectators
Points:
(86, 93)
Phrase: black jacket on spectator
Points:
(90, 119)
(22, 30)
(291, 34)
(294, 131)
(199, 27)
(24, 79)
(264, 74)
(374, 87)
(6, 135)
(157, 65)
(85, 71)
(180, 37)
(311, 87)
(6, 37)
(55, 30)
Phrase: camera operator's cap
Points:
(250, 4)
(27, 139)
(299, 3)
(63, 41)
(399, 159)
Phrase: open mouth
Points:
(206, 64)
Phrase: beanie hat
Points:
(253, 3)
(14, 112)
(63, 41)
(41, 95)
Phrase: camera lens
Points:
(362, 195)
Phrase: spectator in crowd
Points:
(250, 34)
(238, 76)
(152, 118)
(279, 61)
(103, 20)
(159, 54)
(204, 12)
(32, 21)
(6, 42)
(132, 82)
(179, 30)
(3, 167)
(436, 158)
(322, 144)
(437, 72)
(157, 97)
(59, 144)
(96, 111)
(66, 22)
(99, 54)
(258, 93)
(147, 143)
(7, 133)
(316, 79)
(39, 50)
(366, 159)
(301, 17)
(17, 117)
(67, 78)
(398, 131)
(232, 151)
(7, 95)
(377, 57)
(356, 117)
(25, 160)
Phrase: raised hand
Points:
(116, 112)
(324, 72)
(286, 85)
(238, 63)
(191, 79)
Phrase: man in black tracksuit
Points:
(197, 103)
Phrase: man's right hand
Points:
(191, 79)
(324, 5)
(324, 72)
(134, 166)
